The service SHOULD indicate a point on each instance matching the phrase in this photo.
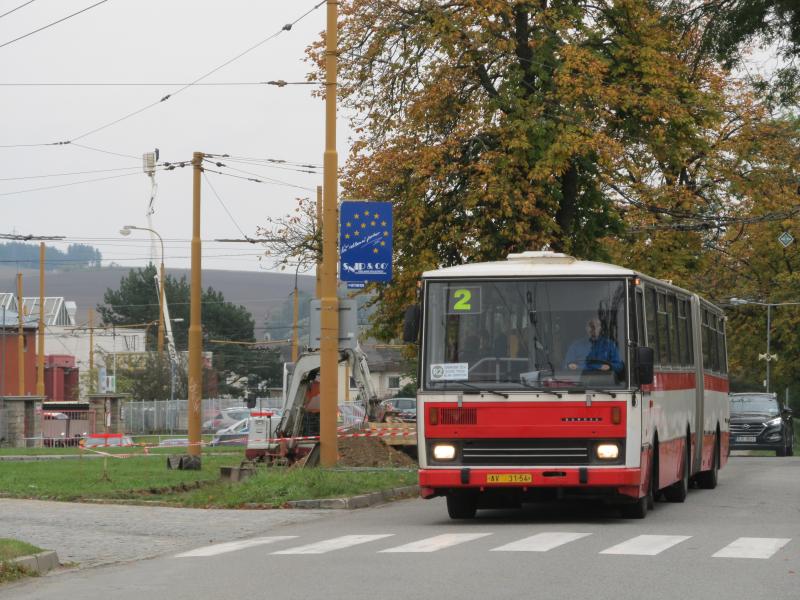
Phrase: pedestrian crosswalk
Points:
(543, 541)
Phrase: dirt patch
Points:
(371, 452)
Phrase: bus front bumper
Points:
(435, 482)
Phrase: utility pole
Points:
(40, 356)
(318, 292)
(91, 350)
(195, 326)
(296, 318)
(329, 302)
(20, 340)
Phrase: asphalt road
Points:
(741, 540)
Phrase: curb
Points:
(38, 563)
(361, 501)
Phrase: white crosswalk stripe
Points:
(437, 542)
(541, 542)
(646, 545)
(338, 543)
(233, 546)
(748, 547)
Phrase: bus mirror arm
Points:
(411, 324)
(644, 358)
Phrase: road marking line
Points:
(646, 545)
(541, 542)
(437, 542)
(338, 543)
(747, 547)
(233, 546)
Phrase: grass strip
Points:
(10, 549)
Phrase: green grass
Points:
(10, 549)
(147, 479)
(14, 548)
(139, 449)
(275, 487)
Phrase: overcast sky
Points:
(169, 42)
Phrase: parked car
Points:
(226, 417)
(404, 409)
(235, 435)
(759, 421)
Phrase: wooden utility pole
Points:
(329, 302)
(40, 354)
(195, 325)
(20, 340)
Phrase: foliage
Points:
(239, 367)
(294, 239)
(27, 256)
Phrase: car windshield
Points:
(539, 334)
(405, 403)
(755, 403)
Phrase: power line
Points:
(51, 24)
(278, 83)
(256, 178)
(16, 9)
(67, 174)
(208, 181)
(61, 185)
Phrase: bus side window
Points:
(652, 330)
(723, 351)
(663, 328)
(674, 336)
(706, 340)
(640, 339)
(685, 332)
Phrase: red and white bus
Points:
(544, 376)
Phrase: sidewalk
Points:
(97, 534)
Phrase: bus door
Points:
(699, 423)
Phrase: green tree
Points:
(135, 302)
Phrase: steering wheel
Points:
(597, 361)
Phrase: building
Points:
(9, 353)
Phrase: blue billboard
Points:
(365, 241)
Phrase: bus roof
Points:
(532, 264)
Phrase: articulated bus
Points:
(544, 377)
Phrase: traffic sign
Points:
(785, 239)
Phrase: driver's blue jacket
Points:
(584, 352)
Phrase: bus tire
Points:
(707, 480)
(636, 509)
(678, 491)
(462, 505)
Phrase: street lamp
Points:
(127, 231)
(768, 358)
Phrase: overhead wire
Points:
(61, 185)
(67, 174)
(257, 180)
(278, 83)
(16, 9)
(22, 37)
(225, 208)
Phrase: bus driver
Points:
(593, 353)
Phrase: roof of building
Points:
(57, 311)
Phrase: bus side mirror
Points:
(644, 365)
(411, 324)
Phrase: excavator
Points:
(293, 436)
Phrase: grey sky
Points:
(155, 41)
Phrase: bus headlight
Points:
(607, 451)
(444, 452)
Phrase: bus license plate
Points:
(509, 478)
(746, 438)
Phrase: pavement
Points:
(98, 534)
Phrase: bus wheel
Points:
(707, 480)
(462, 505)
(636, 509)
(678, 491)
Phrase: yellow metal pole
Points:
(329, 302)
(40, 355)
(20, 340)
(161, 303)
(91, 349)
(318, 292)
(195, 326)
(295, 337)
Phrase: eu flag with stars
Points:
(365, 241)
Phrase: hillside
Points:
(258, 291)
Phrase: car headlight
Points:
(444, 452)
(607, 451)
(773, 422)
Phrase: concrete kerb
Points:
(39, 563)
(360, 501)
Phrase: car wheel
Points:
(462, 505)
(707, 480)
(678, 491)
(780, 451)
(790, 447)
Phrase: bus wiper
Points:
(476, 388)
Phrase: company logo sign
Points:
(365, 241)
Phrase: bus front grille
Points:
(525, 452)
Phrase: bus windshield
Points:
(535, 334)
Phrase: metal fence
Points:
(172, 416)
